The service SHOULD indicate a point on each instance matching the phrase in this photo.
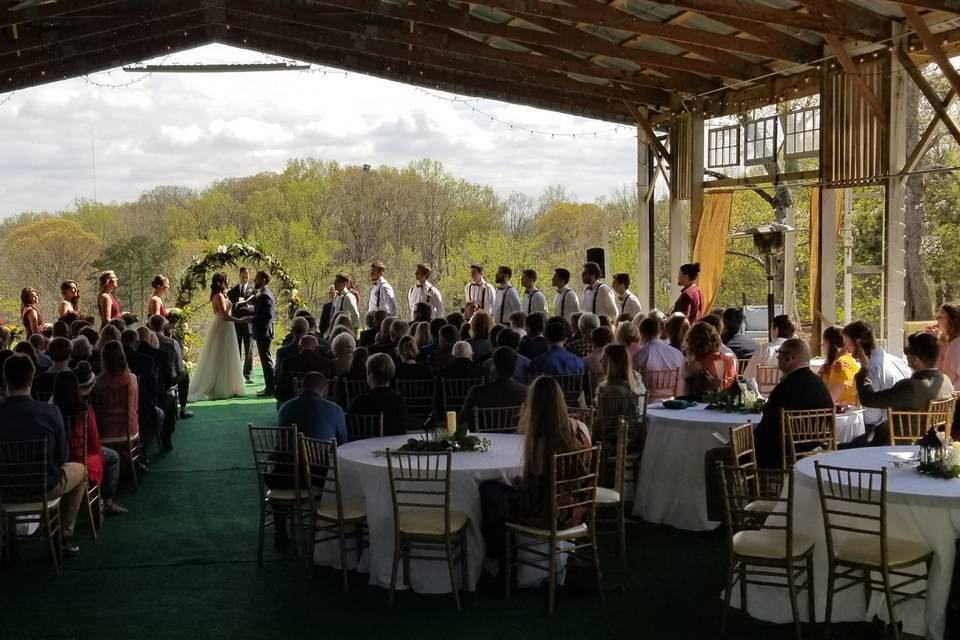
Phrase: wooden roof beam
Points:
(932, 44)
(455, 82)
(878, 26)
(661, 151)
(47, 11)
(796, 47)
(940, 110)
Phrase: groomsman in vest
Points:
(598, 298)
(533, 299)
(238, 295)
(626, 300)
(345, 302)
(479, 291)
(425, 292)
(508, 300)
(382, 297)
(566, 303)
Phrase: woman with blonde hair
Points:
(480, 325)
(407, 365)
(161, 285)
(619, 378)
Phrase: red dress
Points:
(26, 324)
(689, 303)
(93, 454)
(114, 308)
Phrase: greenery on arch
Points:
(194, 282)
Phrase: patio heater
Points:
(768, 242)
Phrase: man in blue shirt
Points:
(557, 360)
(314, 415)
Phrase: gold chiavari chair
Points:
(806, 433)
(92, 492)
(112, 412)
(331, 515)
(573, 481)
(572, 386)
(423, 521)
(906, 427)
(764, 549)
(741, 365)
(768, 377)
(497, 419)
(455, 391)
(420, 396)
(352, 389)
(276, 458)
(362, 427)
(854, 507)
(611, 485)
(24, 495)
(661, 384)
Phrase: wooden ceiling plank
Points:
(932, 44)
(850, 67)
(796, 47)
(875, 24)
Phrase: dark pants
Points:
(183, 389)
(712, 481)
(243, 340)
(111, 473)
(266, 362)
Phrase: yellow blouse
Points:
(842, 372)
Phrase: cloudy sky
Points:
(194, 128)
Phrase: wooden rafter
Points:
(461, 82)
(663, 155)
(927, 136)
(932, 45)
(940, 110)
(47, 11)
(854, 72)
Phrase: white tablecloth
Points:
(920, 508)
(671, 487)
(365, 474)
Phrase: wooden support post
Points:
(790, 264)
(696, 178)
(828, 264)
(642, 286)
(894, 273)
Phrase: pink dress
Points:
(949, 363)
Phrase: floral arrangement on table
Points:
(16, 332)
(939, 456)
(734, 399)
(194, 280)
(453, 438)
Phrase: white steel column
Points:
(895, 211)
(828, 259)
(641, 286)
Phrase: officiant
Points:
(239, 294)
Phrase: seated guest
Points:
(518, 322)
(443, 355)
(381, 398)
(732, 335)
(781, 330)
(4, 338)
(343, 347)
(426, 351)
(398, 329)
(502, 391)
(557, 360)
(383, 335)
(480, 324)
(884, 370)
(115, 376)
(59, 351)
(628, 336)
(358, 366)
(799, 389)
(456, 319)
(510, 339)
(422, 312)
(948, 330)
(61, 329)
(620, 384)
(675, 331)
(407, 366)
(714, 321)
(600, 337)
(368, 337)
(707, 369)
(341, 324)
(298, 328)
(547, 430)
(533, 344)
(181, 375)
(462, 365)
(314, 415)
(656, 354)
(23, 418)
(839, 368)
(25, 348)
(80, 351)
(580, 344)
(103, 464)
(421, 335)
(915, 393)
(39, 344)
(307, 360)
(148, 382)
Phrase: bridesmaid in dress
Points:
(70, 299)
(30, 312)
(106, 303)
(155, 307)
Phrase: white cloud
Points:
(195, 128)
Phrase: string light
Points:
(7, 99)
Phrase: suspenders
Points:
(594, 306)
(563, 303)
(503, 302)
(530, 301)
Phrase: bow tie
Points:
(419, 286)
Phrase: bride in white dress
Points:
(219, 371)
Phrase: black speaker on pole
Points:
(595, 254)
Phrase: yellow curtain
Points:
(815, 242)
(710, 247)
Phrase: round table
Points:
(671, 486)
(364, 474)
(919, 508)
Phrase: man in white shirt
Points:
(655, 354)
(344, 302)
(533, 299)
(479, 291)
(626, 300)
(566, 303)
(425, 292)
(508, 300)
(598, 297)
(782, 330)
(885, 370)
(381, 293)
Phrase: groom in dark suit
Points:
(237, 293)
(264, 309)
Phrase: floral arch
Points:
(194, 280)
